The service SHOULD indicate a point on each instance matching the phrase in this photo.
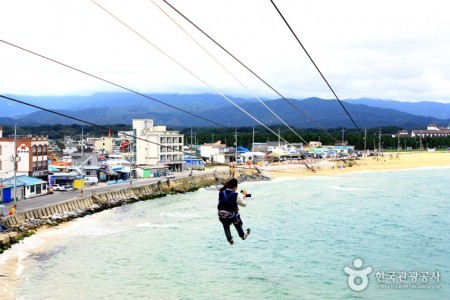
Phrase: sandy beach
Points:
(390, 161)
(13, 261)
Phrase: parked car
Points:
(61, 187)
(90, 180)
(170, 175)
(68, 187)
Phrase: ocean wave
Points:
(93, 228)
(155, 225)
(179, 215)
(347, 189)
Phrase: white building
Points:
(154, 145)
(214, 153)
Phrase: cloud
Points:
(375, 49)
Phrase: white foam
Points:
(347, 189)
(154, 225)
(178, 215)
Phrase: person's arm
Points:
(241, 199)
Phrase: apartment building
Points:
(156, 146)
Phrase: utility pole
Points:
(365, 140)
(130, 148)
(82, 158)
(191, 140)
(343, 130)
(253, 139)
(279, 141)
(15, 163)
(236, 152)
(379, 141)
(398, 141)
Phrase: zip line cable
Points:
(315, 65)
(112, 83)
(124, 133)
(228, 71)
(250, 70)
(187, 70)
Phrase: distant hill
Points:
(328, 114)
(106, 109)
(426, 109)
(193, 102)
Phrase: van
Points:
(90, 180)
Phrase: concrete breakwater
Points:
(24, 224)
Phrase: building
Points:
(104, 144)
(85, 163)
(432, 131)
(315, 144)
(213, 152)
(260, 147)
(155, 146)
(31, 152)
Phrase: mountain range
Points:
(213, 110)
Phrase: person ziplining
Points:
(228, 209)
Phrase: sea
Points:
(365, 235)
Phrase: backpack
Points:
(228, 200)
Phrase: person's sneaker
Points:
(231, 242)
(246, 233)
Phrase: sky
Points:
(397, 50)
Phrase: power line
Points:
(228, 71)
(186, 69)
(250, 70)
(99, 126)
(112, 83)
(89, 123)
(315, 65)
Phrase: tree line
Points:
(380, 137)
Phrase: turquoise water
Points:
(304, 232)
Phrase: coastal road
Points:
(61, 196)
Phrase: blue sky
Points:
(396, 50)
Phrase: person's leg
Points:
(238, 225)
(226, 227)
